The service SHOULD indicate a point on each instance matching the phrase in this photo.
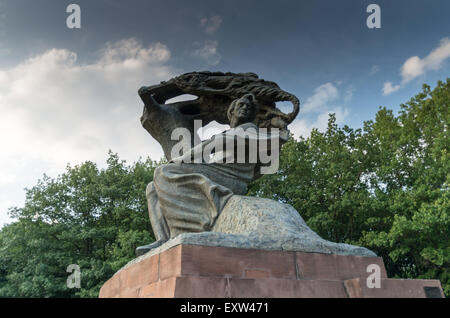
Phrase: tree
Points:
(412, 166)
(385, 186)
(86, 216)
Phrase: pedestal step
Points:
(209, 272)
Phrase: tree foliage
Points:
(384, 186)
(86, 216)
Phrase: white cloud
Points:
(319, 106)
(130, 52)
(212, 24)
(323, 95)
(303, 127)
(412, 68)
(415, 66)
(207, 51)
(388, 88)
(54, 111)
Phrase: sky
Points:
(70, 95)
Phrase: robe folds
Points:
(188, 197)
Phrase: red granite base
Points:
(193, 271)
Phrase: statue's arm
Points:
(151, 108)
(147, 97)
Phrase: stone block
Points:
(335, 267)
(394, 288)
(193, 271)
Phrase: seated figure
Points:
(187, 196)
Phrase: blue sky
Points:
(69, 95)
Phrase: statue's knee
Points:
(165, 169)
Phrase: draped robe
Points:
(188, 197)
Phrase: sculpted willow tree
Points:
(198, 197)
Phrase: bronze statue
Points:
(200, 194)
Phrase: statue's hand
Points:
(149, 100)
(150, 104)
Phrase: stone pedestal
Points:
(194, 271)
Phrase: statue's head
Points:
(242, 110)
